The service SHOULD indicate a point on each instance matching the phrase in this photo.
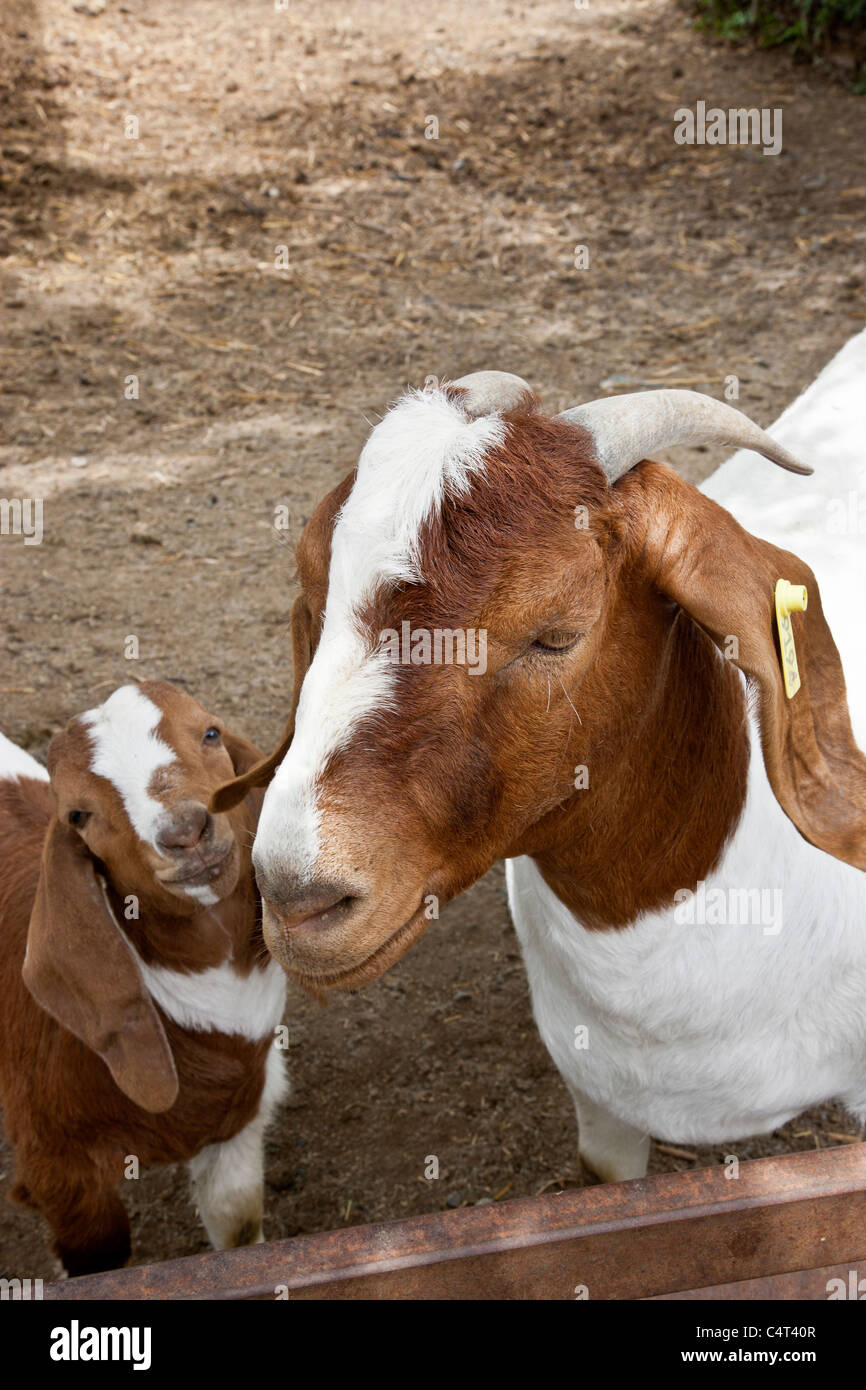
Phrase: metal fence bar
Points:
(658, 1235)
(846, 1281)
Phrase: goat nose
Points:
(293, 900)
(188, 823)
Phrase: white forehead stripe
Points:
(424, 450)
(127, 752)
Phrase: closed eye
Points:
(555, 640)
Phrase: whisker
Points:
(565, 693)
(565, 746)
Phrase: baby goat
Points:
(685, 836)
(137, 1004)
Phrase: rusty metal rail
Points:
(781, 1229)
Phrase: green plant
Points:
(810, 28)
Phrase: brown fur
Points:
(69, 1123)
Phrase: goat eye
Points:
(211, 736)
(555, 640)
(78, 818)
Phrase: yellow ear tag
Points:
(790, 598)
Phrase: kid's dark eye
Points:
(211, 736)
(78, 818)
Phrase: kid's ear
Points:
(83, 971)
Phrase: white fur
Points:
(423, 449)
(228, 1179)
(14, 762)
(699, 1034)
(704, 1034)
(220, 999)
(201, 893)
(127, 752)
(216, 1000)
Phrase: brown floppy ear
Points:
(82, 970)
(244, 755)
(262, 770)
(725, 578)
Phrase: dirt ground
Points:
(157, 258)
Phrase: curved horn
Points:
(626, 429)
(499, 392)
